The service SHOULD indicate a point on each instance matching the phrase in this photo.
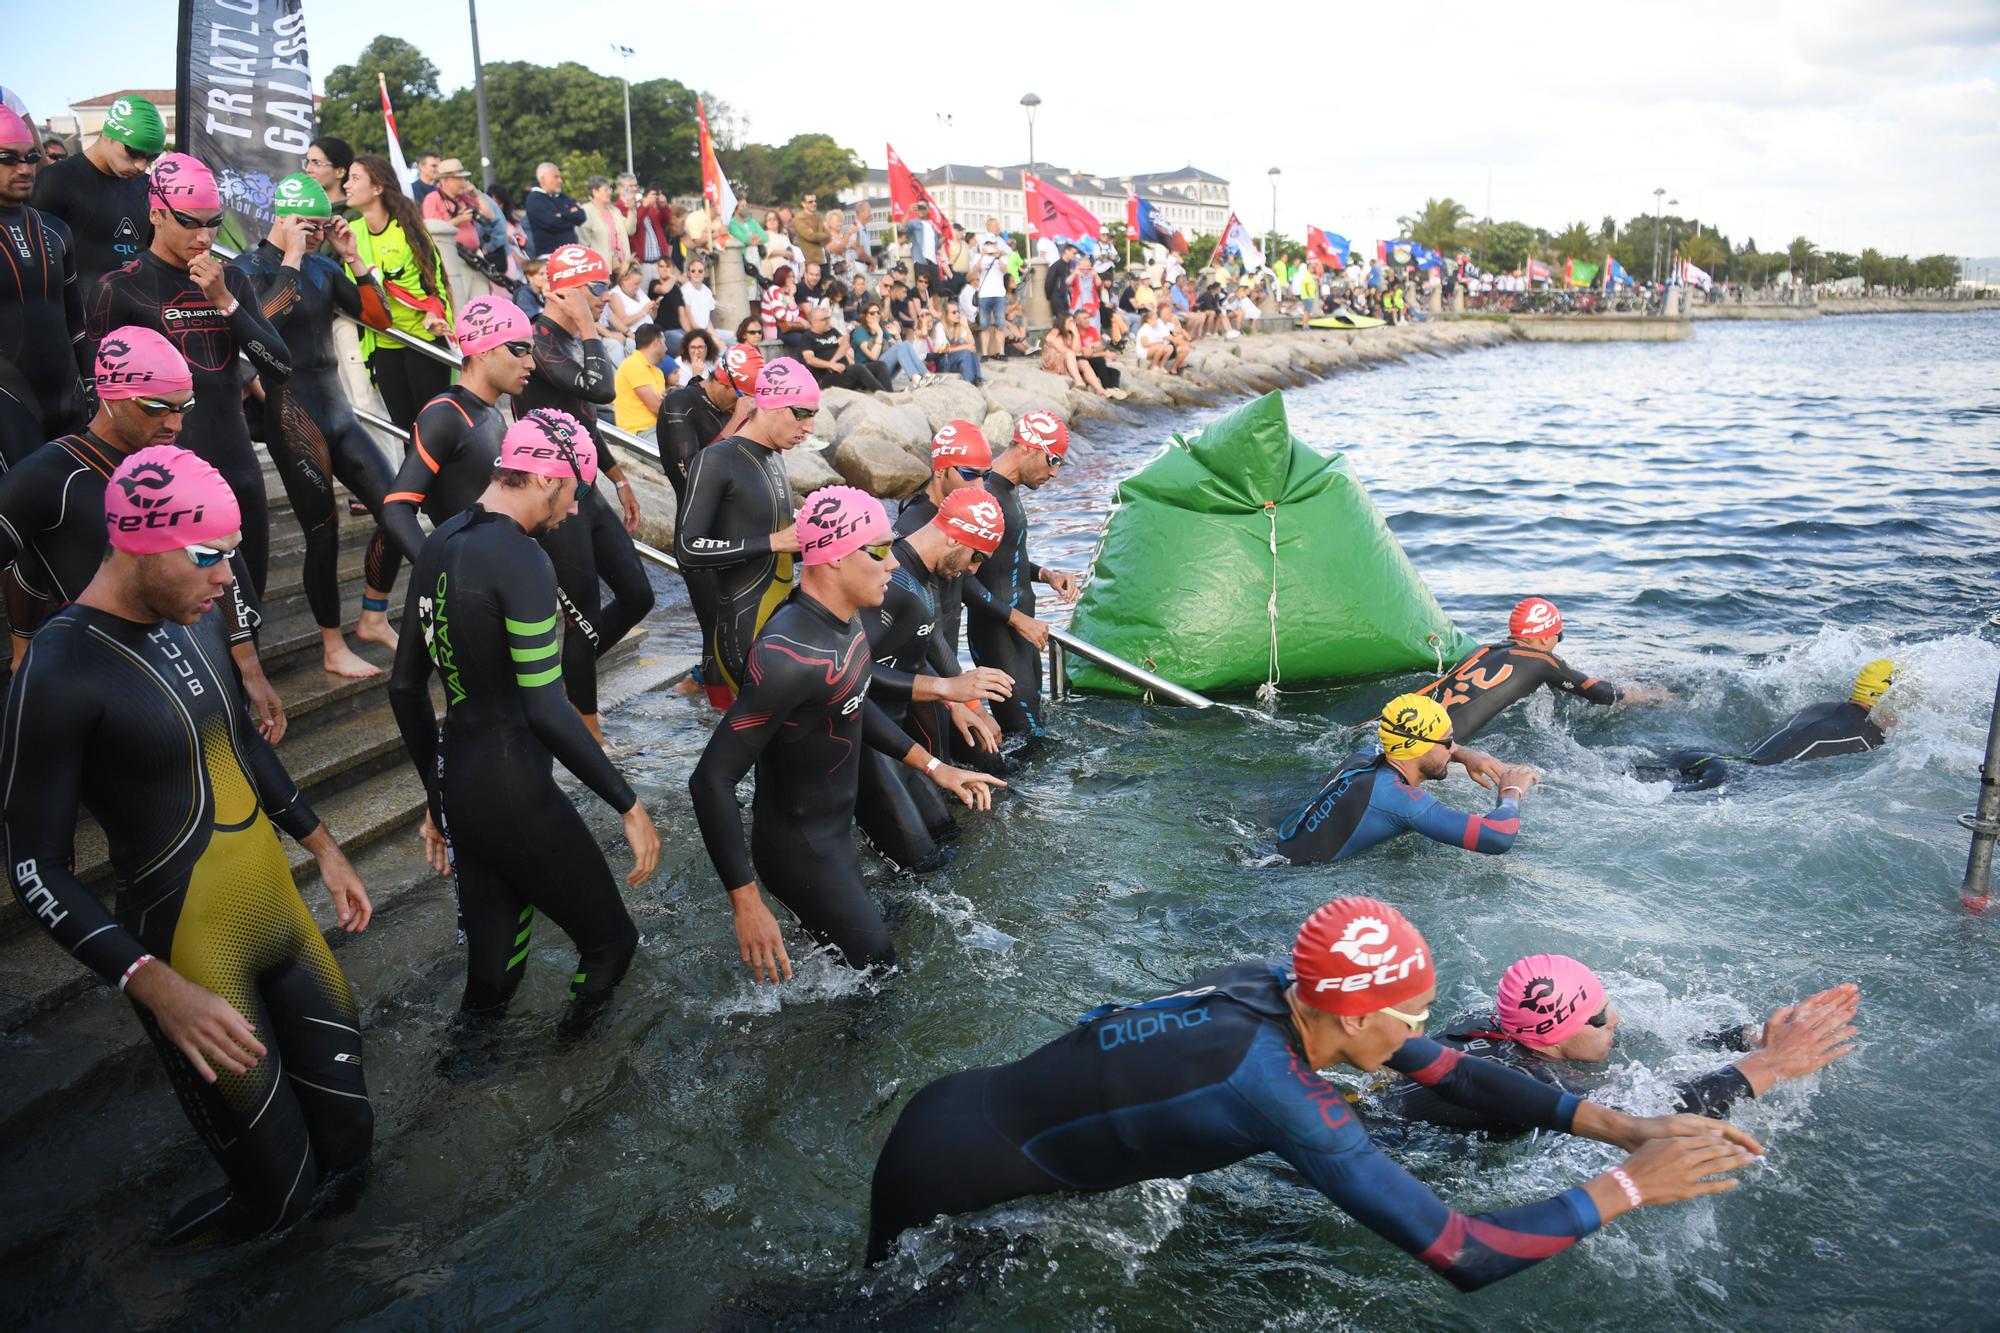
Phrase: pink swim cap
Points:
(488, 321)
(135, 362)
(180, 181)
(785, 383)
(1547, 998)
(837, 521)
(13, 129)
(163, 498)
(544, 441)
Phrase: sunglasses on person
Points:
(971, 473)
(1416, 1021)
(205, 557)
(804, 414)
(11, 157)
(162, 407)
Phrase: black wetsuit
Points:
(802, 719)
(1195, 1081)
(153, 294)
(481, 612)
(916, 512)
(310, 427)
(110, 220)
(452, 452)
(1502, 674)
(900, 809)
(1711, 1094)
(738, 495)
(144, 725)
(688, 423)
(1839, 726)
(577, 376)
(1003, 584)
(43, 354)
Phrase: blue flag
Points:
(1615, 272)
(1157, 230)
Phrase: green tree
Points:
(1800, 254)
(814, 163)
(1936, 271)
(1507, 244)
(1607, 230)
(1705, 251)
(1577, 242)
(1875, 267)
(1440, 225)
(352, 107)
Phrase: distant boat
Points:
(1345, 321)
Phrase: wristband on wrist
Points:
(1624, 1180)
(1511, 787)
(934, 764)
(132, 971)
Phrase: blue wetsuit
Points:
(1196, 1081)
(1366, 802)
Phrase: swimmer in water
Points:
(1500, 675)
(1552, 1020)
(1378, 794)
(1840, 726)
(1225, 1068)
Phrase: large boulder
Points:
(807, 468)
(879, 464)
(950, 399)
(998, 427)
(903, 421)
(834, 402)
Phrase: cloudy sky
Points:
(1857, 124)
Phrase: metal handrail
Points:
(1062, 642)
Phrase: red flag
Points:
(906, 192)
(1052, 213)
(403, 172)
(1131, 213)
(1318, 247)
(714, 185)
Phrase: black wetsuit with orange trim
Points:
(310, 427)
(144, 725)
(453, 449)
(42, 353)
(1501, 674)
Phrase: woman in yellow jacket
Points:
(391, 238)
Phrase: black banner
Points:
(245, 103)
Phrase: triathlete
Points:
(457, 437)
(1839, 726)
(803, 719)
(52, 503)
(42, 349)
(960, 457)
(100, 193)
(574, 374)
(126, 706)
(1551, 1015)
(1000, 599)
(1501, 674)
(481, 612)
(712, 408)
(1378, 793)
(903, 815)
(310, 427)
(210, 312)
(736, 540)
(1225, 1068)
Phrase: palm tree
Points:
(1440, 225)
(1608, 229)
(1576, 242)
(1800, 252)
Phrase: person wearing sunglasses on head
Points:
(574, 373)
(309, 426)
(803, 720)
(1378, 793)
(125, 705)
(210, 313)
(923, 689)
(1000, 626)
(481, 614)
(1552, 1020)
(1226, 1068)
(101, 192)
(43, 351)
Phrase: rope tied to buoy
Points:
(1268, 691)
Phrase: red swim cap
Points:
(135, 362)
(1357, 955)
(1547, 998)
(960, 444)
(837, 521)
(972, 517)
(182, 182)
(1534, 617)
(163, 498)
(488, 321)
(575, 266)
(545, 441)
(1042, 430)
(740, 367)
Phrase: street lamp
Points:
(1671, 203)
(479, 102)
(1658, 195)
(625, 53)
(1029, 101)
(1274, 211)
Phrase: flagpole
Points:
(479, 103)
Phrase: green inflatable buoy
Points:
(1240, 557)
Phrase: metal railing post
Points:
(1977, 890)
(1058, 671)
(1118, 666)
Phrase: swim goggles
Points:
(1416, 1021)
(205, 557)
(877, 552)
(161, 407)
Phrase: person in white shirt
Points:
(987, 282)
(1156, 342)
(697, 300)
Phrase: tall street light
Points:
(1671, 203)
(624, 54)
(479, 103)
(1274, 212)
(1658, 195)
(1029, 102)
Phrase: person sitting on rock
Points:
(831, 359)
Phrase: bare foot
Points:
(374, 627)
(687, 685)
(341, 660)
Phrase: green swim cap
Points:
(136, 123)
(300, 196)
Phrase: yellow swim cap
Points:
(1411, 724)
(1874, 681)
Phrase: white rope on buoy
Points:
(1437, 651)
(1268, 691)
